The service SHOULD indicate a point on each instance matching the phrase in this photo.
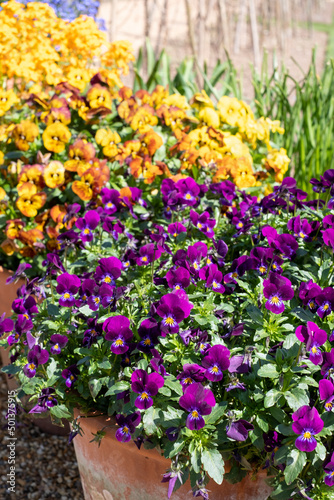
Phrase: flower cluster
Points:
(201, 318)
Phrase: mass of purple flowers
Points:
(204, 325)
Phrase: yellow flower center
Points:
(262, 269)
(125, 430)
(107, 279)
(169, 321)
(144, 395)
(67, 295)
(307, 435)
(275, 300)
(194, 414)
(215, 369)
(328, 405)
(55, 138)
(199, 225)
(326, 306)
(147, 341)
(96, 300)
(32, 366)
(144, 259)
(86, 231)
(119, 342)
(188, 196)
(188, 381)
(314, 350)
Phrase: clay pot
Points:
(7, 296)
(119, 471)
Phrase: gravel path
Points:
(46, 466)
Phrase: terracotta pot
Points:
(7, 295)
(119, 471)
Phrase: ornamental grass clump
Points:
(207, 339)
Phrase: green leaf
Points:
(95, 385)
(213, 463)
(174, 385)
(255, 314)
(172, 449)
(296, 461)
(217, 412)
(268, 371)
(195, 459)
(286, 430)
(53, 310)
(297, 398)
(60, 411)
(117, 388)
(105, 364)
(235, 475)
(271, 398)
(11, 369)
(151, 419)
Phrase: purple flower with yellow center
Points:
(197, 401)
(111, 200)
(308, 291)
(325, 301)
(106, 294)
(19, 273)
(300, 228)
(149, 332)
(327, 369)
(178, 279)
(216, 362)
(189, 191)
(173, 308)
(108, 270)
(89, 294)
(126, 426)
(203, 223)
(238, 430)
(329, 469)
(70, 375)
(235, 384)
(68, 285)
(37, 356)
(22, 325)
(213, 278)
(57, 342)
(196, 253)
(277, 290)
(328, 237)
(237, 270)
(87, 224)
(285, 244)
(313, 337)
(157, 363)
(307, 423)
(118, 332)
(326, 392)
(176, 228)
(147, 254)
(222, 250)
(191, 373)
(26, 306)
(6, 324)
(147, 386)
(45, 401)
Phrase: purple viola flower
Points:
(68, 285)
(70, 375)
(240, 364)
(178, 279)
(308, 291)
(147, 386)
(45, 401)
(277, 290)
(222, 250)
(329, 469)
(157, 363)
(87, 224)
(6, 325)
(118, 332)
(148, 253)
(111, 200)
(307, 423)
(19, 273)
(173, 308)
(197, 401)
(191, 373)
(176, 228)
(108, 270)
(313, 337)
(71, 211)
(37, 356)
(57, 342)
(238, 269)
(126, 426)
(213, 278)
(284, 244)
(196, 253)
(203, 223)
(26, 306)
(326, 392)
(328, 237)
(22, 325)
(325, 301)
(327, 369)
(149, 332)
(189, 191)
(68, 239)
(215, 362)
(300, 228)
(238, 430)
(235, 384)
(106, 293)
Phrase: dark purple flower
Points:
(68, 285)
(222, 250)
(307, 423)
(106, 294)
(157, 363)
(325, 301)
(300, 228)
(173, 308)
(203, 223)
(6, 325)
(237, 269)
(118, 332)
(197, 401)
(149, 332)
(215, 362)
(37, 356)
(277, 289)
(213, 278)
(146, 385)
(87, 224)
(285, 244)
(70, 375)
(19, 273)
(45, 401)
(22, 325)
(111, 200)
(326, 392)
(328, 237)
(126, 426)
(176, 228)
(178, 279)
(329, 469)
(327, 369)
(189, 191)
(108, 270)
(308, 291)
(240, 364)
(238, 430)
(313, 338)
(191, 373)
(57, 342)
(196, 253)
(27, 306)
(148, 253)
